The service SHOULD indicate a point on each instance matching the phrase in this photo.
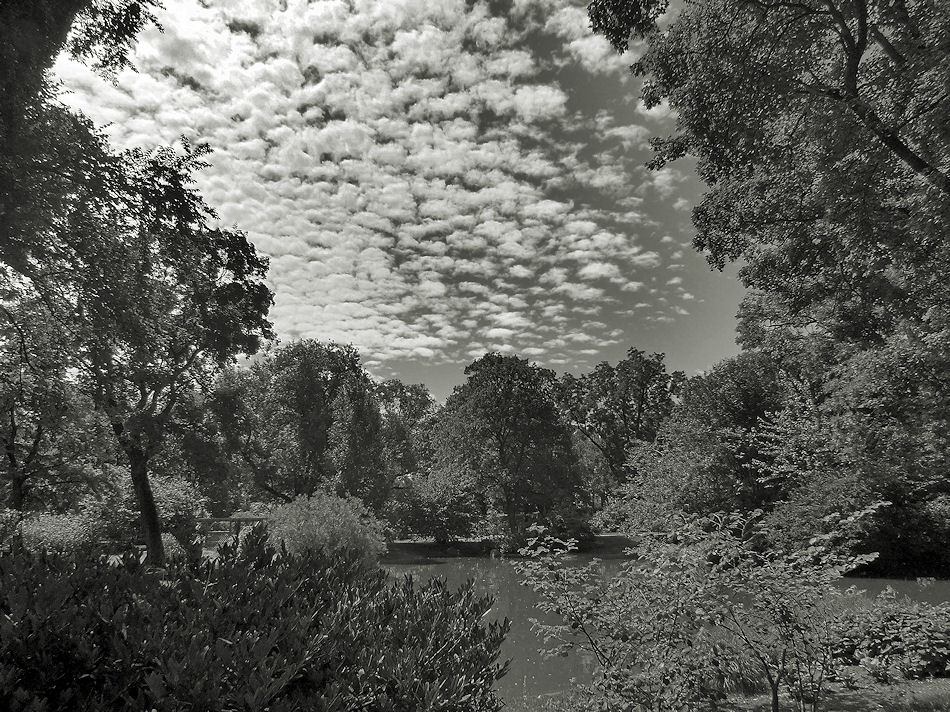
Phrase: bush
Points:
(9, 527)
(256, 629)
(700, 612)
(328, 524)
(895, 637)
(431, 508)
(172, 547)
(59, 532)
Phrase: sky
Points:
(432, 179)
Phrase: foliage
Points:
(50, 159)
(172, 548)
(430, 506)
(256, 629)
(327, 524)
(303, 417)
(165, 300)
(823, 121)
(32, 393)
(700, 610)
(356, 446)
(707, 455)
(115, 514)
(59, 532)
(194, 450)
(500, 436)
(405, 411)
(614, 407)
(895, 637)
(818, 129)
(10, 520)
(646, 628)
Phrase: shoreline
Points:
(428, 551)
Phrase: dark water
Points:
(532, 676)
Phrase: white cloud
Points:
(539, 102)
(409, 165)
(598, 270)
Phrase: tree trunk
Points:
(774, 687)
(17, 492)
(151, 526)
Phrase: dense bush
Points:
(895, 637)
(58, 532)
(328, 524)
(257, 629)
(432, 507)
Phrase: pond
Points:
(532, 677)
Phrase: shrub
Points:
(256, 629)
(59, 532)
(645, 627)
(895, 637)
(328, 524)
(9, 527)
(172, 547)
(430, 507)
(702, 611)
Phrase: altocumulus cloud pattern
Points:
(431, 178)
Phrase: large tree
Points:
(820, 129)
(304, 417)
(404, 408)
(502, 434)
(158, 298)
(707, 455)
(46, 159)
(617, 406)
(33, 393)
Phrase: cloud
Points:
(422, 174)
(598, 270)
(660, 112)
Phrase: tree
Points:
(303, 417)
(356, 445)
(818, 129)
(41, 170)
(501, 432)
(195, 449)
(159, 299)
(873, 66)
(707, 456)
(615, 407)
(404, 409)
(33, 398)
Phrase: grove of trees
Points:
(820, 132)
